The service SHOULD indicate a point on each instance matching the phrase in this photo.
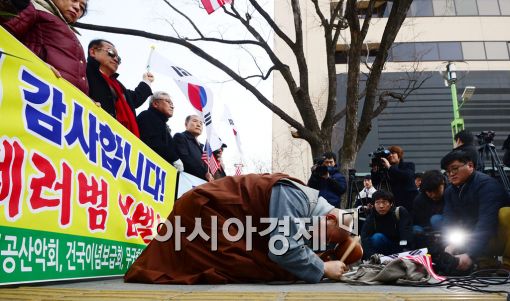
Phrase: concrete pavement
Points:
(116, 289)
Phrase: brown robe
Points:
(229, 197)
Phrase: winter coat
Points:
(100, 92)
(401, 181)
(473, 207)
(394, 227)
(424, 208)
(42, 28)
(155, 132)
(190, 152)
(331, 188)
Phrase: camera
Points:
(377, 155)
(485, 137)
(319, 169)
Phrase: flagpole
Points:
(149, 59)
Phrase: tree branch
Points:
(201, 53)
(338, 116)
(340, 25)
(324, 22)
(284, 69)
(303, 102)
(368, 18)
(186, 17)
(396, 18)
(273, 25)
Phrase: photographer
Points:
(327, 179)
(398, 174)
(472, 204)
(464, 141)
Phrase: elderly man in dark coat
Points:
(154, 130)
(190, 150)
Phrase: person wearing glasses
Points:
(472, 204)
(154, 129)
(104, 88)
(45, 27)
(387, 229)
(399, 176)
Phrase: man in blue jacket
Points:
(328, 180)
(472, 203)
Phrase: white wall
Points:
(293, 156)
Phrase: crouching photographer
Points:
(327, 179)
(472, 205)
(391, 170)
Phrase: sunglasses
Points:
(111, 54)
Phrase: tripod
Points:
(384, 184)
(353, 191)
(489, 150)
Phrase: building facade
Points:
(470, 33)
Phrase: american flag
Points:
(239, 169)
(212, 5)
(426, 261)
(209, 159)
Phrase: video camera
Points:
(377, 155)
(485, 137)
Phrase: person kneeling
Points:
(388, 229)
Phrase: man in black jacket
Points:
(464, 141)
(154, 130)
(472, 204)
(428, 207)
(104, 88)
(387, 229)
(190, 150)
(399, 175)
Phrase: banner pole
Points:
(149, 59)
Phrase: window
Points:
(496, 50)
(387, 11)
(444, 8)
(404, 52)
(422, 8)
(488, 7)
(473, 50)
(427, 51)
(504, 6)
(466, 7)
(450, 51)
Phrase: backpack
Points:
(397, 213)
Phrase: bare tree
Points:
(317, 133)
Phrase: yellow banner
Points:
(68, 167)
